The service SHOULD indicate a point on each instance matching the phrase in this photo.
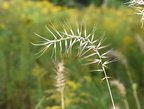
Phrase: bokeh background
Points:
(27, 82)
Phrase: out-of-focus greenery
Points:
(72, 3)
(26, 80)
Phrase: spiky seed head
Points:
(60, 77)
(138, 5)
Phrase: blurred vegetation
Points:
(73, 3)
(27, 80)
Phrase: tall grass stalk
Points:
(122, 91)
(60, 81)
(124, 61)
(38, 106)
(87, 46)
(138, 5)
(140, 42)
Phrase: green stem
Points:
(62, 99)
(40, 90)
(133, 89)
(136, 98)
(126, 103)
(107, 81)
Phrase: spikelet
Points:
(138, 5)
(119, 86)
(140, 43)
(135, 2)
(60, 76)
(117, 107)
(120, 56)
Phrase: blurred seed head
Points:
(119, 86)
(120, 56)
(116, 107)
(140, 43)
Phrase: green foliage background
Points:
(25, 79)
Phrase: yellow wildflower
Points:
(39, 3)
(44, 10)
(5, 5)
(87, 78)
(48, 4)
(84, 94)
(3, 26)
(38, 71)
(30, 3)
(73, 84)
(127, 40)
(54, 107)
(56, 9)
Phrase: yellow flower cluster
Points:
(3, 26)
(54, 107)
(33, 11)
(5, 5)
(87, 78)
(84, 94)
(73, 85)
(38, 71)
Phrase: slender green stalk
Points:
(62, 99)
(125, 63)
(134, 89)
(40, 93)
(121, 90)
(136, 98)
(126, 103)
(106, 78)
(110, 92)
